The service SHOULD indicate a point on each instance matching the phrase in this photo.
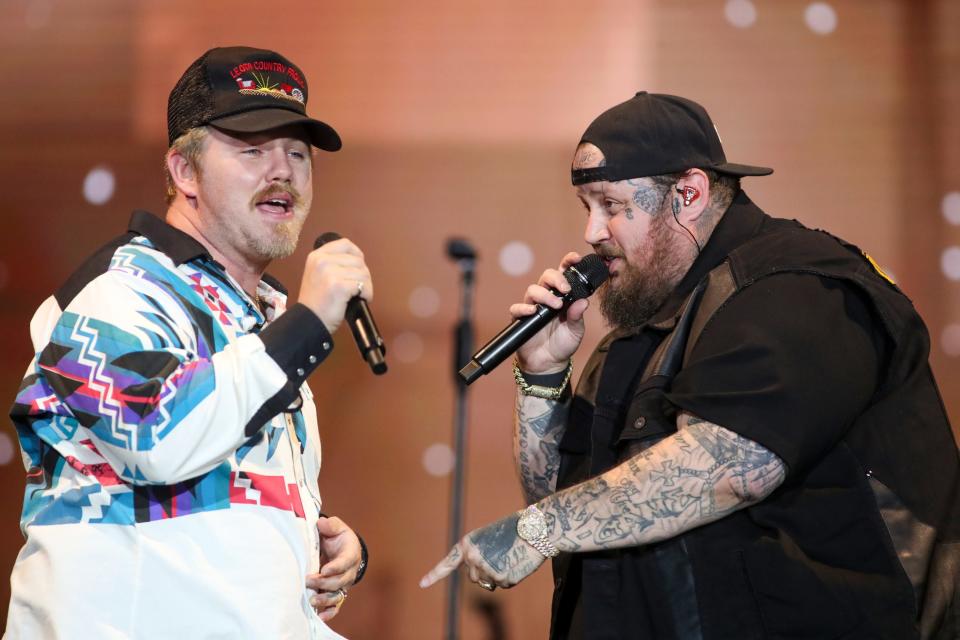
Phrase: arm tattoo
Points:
(698, 475)
(539, 427)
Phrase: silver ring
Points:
(486, 584)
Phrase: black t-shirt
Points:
(789, 363)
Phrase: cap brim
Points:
(734, 169)
(321, 134)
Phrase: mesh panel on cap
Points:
(191, 101)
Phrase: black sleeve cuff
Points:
(298, 341)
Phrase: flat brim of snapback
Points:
(321, 134)
(734, 169)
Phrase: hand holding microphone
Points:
(336, 284)
(544, 351)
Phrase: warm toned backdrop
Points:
(460, 118)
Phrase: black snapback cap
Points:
(653, 134)
(244, 90)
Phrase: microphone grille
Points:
(585, 276)
(324, 238)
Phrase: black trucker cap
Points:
(652, 134)
(244, 90)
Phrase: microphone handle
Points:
(510, 339)
(366, 334)
(358, 316)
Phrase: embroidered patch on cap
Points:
(265, 78)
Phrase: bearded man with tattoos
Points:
(756, 450)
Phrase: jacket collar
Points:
(741, 221)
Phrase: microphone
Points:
(358, 316)
(584, 278)
(460, 249)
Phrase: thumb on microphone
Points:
(333, 274)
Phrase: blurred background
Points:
(459, 118)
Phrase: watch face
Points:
(531, 525)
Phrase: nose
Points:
(597, 230)
(280, 167)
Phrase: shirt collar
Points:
(177, 245)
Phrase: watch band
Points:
(544, 546)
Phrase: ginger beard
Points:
(641, 286)
(281, 240)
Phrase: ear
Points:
(183, 174)
(691, 195)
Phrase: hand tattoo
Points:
(494, 542)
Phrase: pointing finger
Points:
(444, 568)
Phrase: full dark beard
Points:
(630, 299)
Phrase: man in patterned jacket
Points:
(168, 433)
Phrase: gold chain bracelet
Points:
(539, 391)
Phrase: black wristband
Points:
(362, 569)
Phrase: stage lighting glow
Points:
(950, 340)
(406, 347)
(821, 18)
(516, 258)
(951, 207)
(740, 13)
(438, 459)
(98, 186)
(424, 302)
(950, 263)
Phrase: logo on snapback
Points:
(263, 85)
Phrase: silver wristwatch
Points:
(532, 528)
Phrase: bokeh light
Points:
(740, 13)
(438, 459)
(516, 258)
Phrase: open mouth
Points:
(277, 204)
(610, 262)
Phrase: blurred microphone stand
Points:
(464, 255)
